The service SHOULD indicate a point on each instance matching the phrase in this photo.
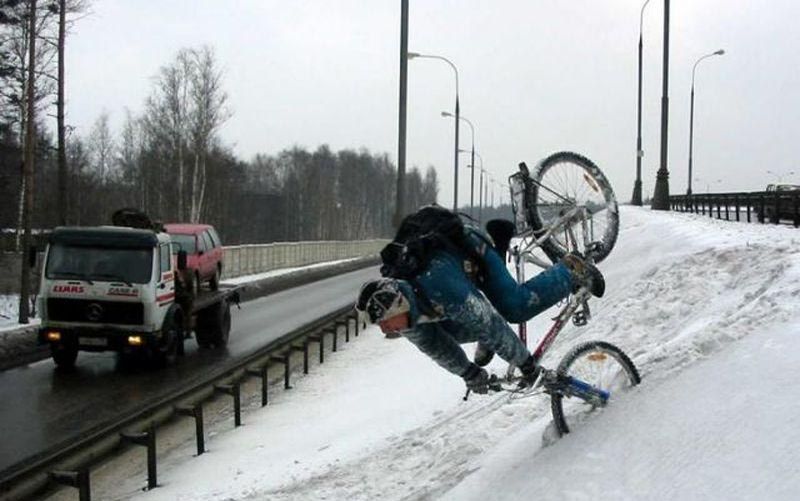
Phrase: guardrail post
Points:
(777, 213)
(748, 208)
(335, 332)
(304, 349)
(146, 439)
(233, 390)
(283, 359)
(346, 325)
(78, 479)
(727, 204)
(318, 338)
(261, 372)
(195, 411)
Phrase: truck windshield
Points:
(105, 264)
(183, 242)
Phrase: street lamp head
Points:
(412, 55)
(447, 114)
(719, 52)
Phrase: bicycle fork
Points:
(569, 386)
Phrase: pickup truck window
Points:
(183, 242)
(101, 264)
(215, 237)
(207, 239)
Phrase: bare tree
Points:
(166, 117)
(30, 137)
(64, 7)
(208, 113)
(102, 148)
(24, 24)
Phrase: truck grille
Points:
(101, 312)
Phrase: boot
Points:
(530, 372)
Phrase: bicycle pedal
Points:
(580, 318)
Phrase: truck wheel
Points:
(172, 335)
(214, 326)
(64, 356)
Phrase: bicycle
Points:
(567, 205)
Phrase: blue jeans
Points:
(466, 315)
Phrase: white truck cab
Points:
(116, 288)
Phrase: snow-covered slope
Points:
(708, 310)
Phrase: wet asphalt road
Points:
(41, 407)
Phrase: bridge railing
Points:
(260, 258)
(239, 260)
(771, 207)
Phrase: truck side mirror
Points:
(181, 260)
(32, 251)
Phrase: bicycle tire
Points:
(560, 182)
(613, 371)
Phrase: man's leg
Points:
(470, 315)
(521, 302)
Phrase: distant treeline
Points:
(294, 195)
(170, 162)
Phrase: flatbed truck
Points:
(114, 288)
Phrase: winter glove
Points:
(477, 379)
(585, 274)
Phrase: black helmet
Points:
(381, 299)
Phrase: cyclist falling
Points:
(446, 283)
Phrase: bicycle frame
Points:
(531, 241)
(578, 299)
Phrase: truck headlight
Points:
(135, 340)
(53, 336)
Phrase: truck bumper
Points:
(97, 339)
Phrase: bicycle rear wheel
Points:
(561, 182)
(599, 364)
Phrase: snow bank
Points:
(708, 310)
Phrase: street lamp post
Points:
(471, 162)
(481, 197)
(691, 115)
(412, 55)
(637, 186)
(661, 195)
(401, 127)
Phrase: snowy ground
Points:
(9, 304)
(708, 310)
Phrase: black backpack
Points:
(422, 233)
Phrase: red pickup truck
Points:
(203, 248)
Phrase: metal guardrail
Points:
(259, 258)
(758, 206)
(68, 463)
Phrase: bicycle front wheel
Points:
(600, 364)
(566, 180)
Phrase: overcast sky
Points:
(536, 76)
